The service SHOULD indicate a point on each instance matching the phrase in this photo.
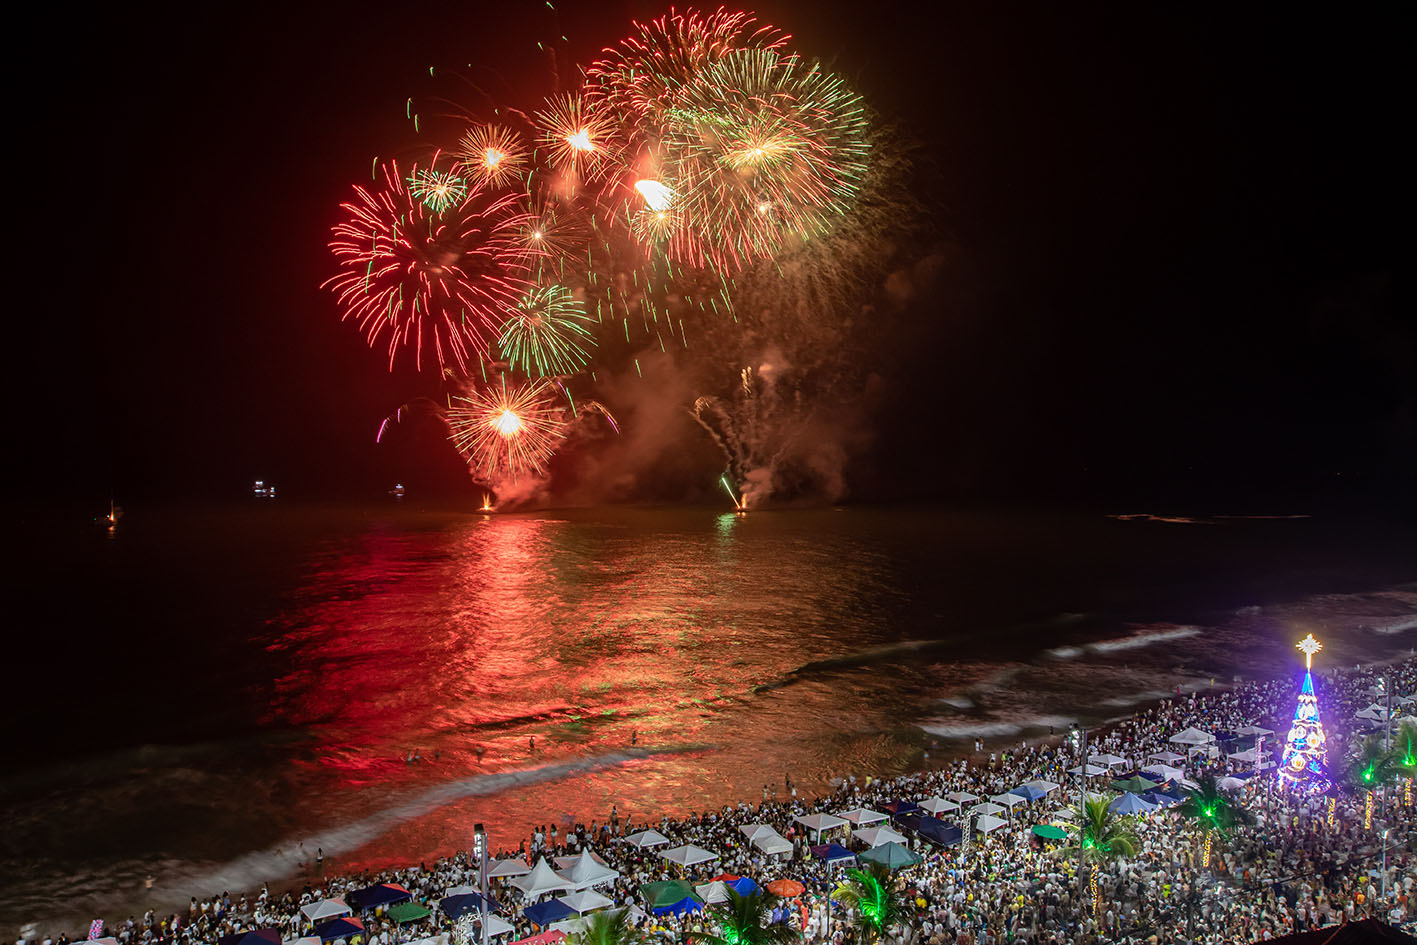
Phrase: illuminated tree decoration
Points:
(1305, 759)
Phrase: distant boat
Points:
(263, 489)
(397, 491)
(115, 512)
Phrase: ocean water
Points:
(201, 698)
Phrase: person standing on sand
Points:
(320, 860)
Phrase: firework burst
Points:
(422, 278)
(507, 432)
(646, 74)
(438, 190)
(579, 139)
(768, 152)
(493, 154)
(548, 334)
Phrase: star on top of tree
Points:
(1310, 646)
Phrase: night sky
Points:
(1176, 243)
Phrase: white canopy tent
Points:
(541, 880)
(716, 891)
(1109, 761)
(646, 839)
(1166, 771)
(461, 891)
(938, 805)
(325, 909)
(1166, 756)
(861, 816)
(817, 823)
(566, 862)
(987, 823)
(586, 900)
(588, 870)
(1191, 736)
(1047, 787)
(962, 797)
(495, 926)
(315, 940)
(754, 831)
(1092, 770)
(1009, 800)
(986, 808)
(689, 855)
(1248, 730)
(504, 869)
(774, 845)
(1249, 755)
(875, 836)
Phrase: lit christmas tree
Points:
(1305, 758)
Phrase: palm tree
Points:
(1213, 811)
(1373, 766)
(1102, 837)
(611, 927)
(747, 920)
(1403, 757)
(872, 895)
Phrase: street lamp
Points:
(479, 853)
(1385, 832)
(1078, 736)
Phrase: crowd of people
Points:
(1302, 864)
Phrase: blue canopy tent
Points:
(932, 829)
(1028, 792)
(455, 907)
(899, 808)
(339, 928)
(372, 897)
(544, 913)
(1130, 803)
(687, 904)
(254, 937)
(832, 852)
(1160, 800)
(745, 886)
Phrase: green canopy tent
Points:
(666, 892)
(408, 912)
(1135, 785)
(1050, 832)
(892, 856)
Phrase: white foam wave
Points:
(1135, 699)
(986, 729)
(249, 871)
(1142, 639)
(959, 702)
(1396, 626)
(1132, 642)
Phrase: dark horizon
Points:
(1170, 250)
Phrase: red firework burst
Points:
(420, 276)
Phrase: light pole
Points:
(479, 852)
(1079, 735)
(1385, 831)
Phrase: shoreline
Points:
(937, 761)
